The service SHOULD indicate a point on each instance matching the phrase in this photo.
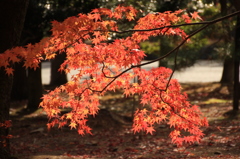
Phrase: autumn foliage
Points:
(6, 124)
(104, 66)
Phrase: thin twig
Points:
(171, 26)
(207, 23)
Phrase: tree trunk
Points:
(5, 85)
(35, 89)
(228, 67)
(236, 93)
(33, 33)
(164, 48)
(20, 87)
(12, 14)
(58, 78)
(236, 66)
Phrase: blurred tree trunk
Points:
(20, 87)
(227, 74)
(5, 85)
(228, 66)
(12, 15)
(236, 56)
(164, 48)
(35, 89)
(58, 78)
(33, 33)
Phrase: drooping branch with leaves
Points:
(103, 66)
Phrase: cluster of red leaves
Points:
(167, 105)
(104, 66)
(6, 124)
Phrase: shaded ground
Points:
(112, 136)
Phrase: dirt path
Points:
(113, 139)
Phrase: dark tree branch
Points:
(173, 26)
(206, 24)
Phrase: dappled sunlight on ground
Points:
(112, 136)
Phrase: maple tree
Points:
(104, 66)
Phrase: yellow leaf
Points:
(69, 116)
(73, 125)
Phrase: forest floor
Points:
(112, 137)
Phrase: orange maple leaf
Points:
(136, 128)
(195, 16)
(69, 115)
(81, 132)
(150, 130)
(9, 70)
(73, 125)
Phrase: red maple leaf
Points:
(195, 15)
(9, 70)
(150, 130)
